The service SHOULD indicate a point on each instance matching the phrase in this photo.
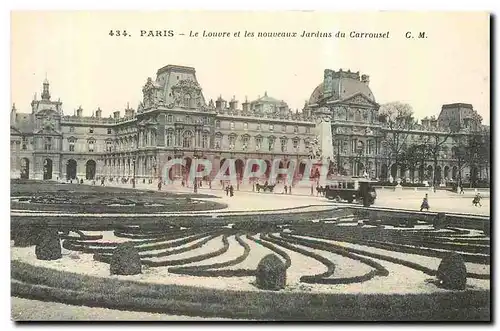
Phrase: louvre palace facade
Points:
(174, 120)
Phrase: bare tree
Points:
(398, 120)
(473, 150)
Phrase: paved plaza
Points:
(246, 199)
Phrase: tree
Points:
(398, 120)
(413, 157)
(473, 150)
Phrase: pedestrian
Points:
(159, 185)
(286, 189)
(312, 190)
(461, 189)
(477, 200)
(227, 190)
(425, 203)
(182, 183)
(102, 181)
(231, 191)
(290, 189)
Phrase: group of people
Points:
(229, 190)
(425, 202)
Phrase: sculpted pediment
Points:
(47, 113)
(359, 99)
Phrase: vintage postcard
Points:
(250, 166)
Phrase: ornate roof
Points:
(343, 85)
(268, 99)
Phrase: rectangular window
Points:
(91, 146)
(170, 138)
(295, 144)
(295, 129)
(232, 125)
(258, 143)
(258, 126)
(91, 130)
(245, 126)
(204, 141)
(48, 143)
(245, 140)
(170, 119)
(232, 140)
(218, 143)
(283, 144)
(109, 146)
(71, 147)
(283, 128)
(71, 129)
(308, 130)
(24, 144)
(271, 144)
(109, 131)
(217, 124)
(271, 127)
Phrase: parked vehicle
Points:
(351, 189)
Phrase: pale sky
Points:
(87, 67)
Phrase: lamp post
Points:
(195, 184)
(133, 173)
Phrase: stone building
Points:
(174, 120)
(360, 136)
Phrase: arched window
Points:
(186, 139)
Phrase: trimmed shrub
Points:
(24, 235)
(440, 221)
(49, 245)
(486, 228)
(452, 272)
(125, 260)
(271, 273)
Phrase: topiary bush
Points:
(271, 273)
(24, 235)
(452, 273)
(440, 221)
(49, 245)
(486, 228)
(125, 260)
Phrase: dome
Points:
(343, 85)
(268, 99)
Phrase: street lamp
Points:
(133, 173)
(195, 184)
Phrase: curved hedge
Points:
(416, 266)
(45, 284)
(202, 270)
(283, 254)
(379, 270)
(198, 258)
(329, 264)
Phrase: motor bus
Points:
(351, 189)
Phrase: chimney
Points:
(245, 105)
(98, 113)
(218, 102)
(233, 104)
(365, 79)
(13, 114)
(79, 112)
(116, 115)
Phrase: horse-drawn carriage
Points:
(266, 187)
